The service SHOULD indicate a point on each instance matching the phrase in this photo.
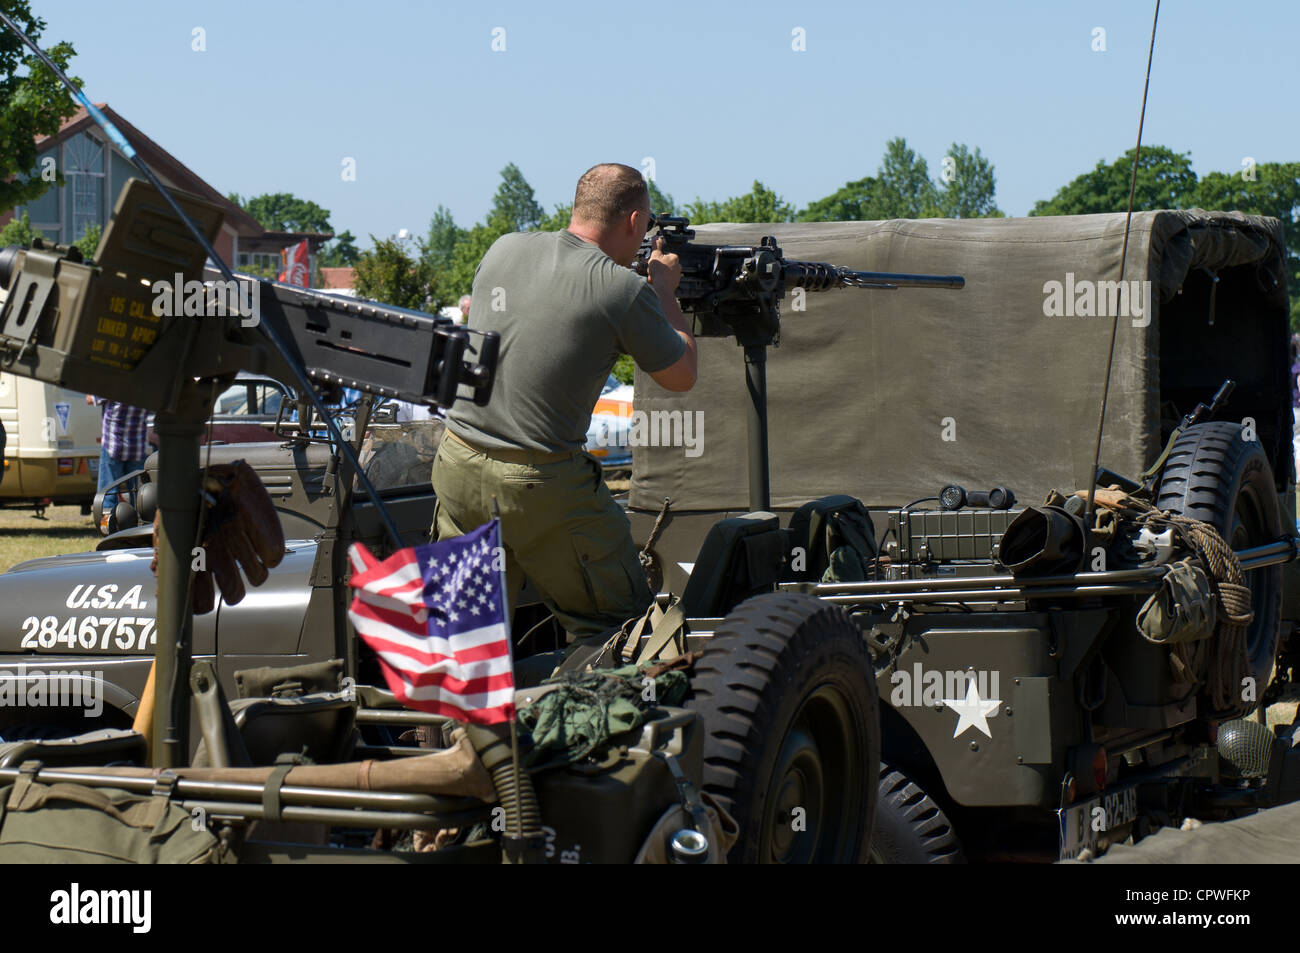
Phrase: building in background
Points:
(338, 281)
(94, 172)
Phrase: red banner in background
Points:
(295, 264)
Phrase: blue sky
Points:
(714, 92)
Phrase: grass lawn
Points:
(63, 530)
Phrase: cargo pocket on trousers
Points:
(611, 587)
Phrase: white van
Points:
(51, 449)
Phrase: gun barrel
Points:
(820, 276)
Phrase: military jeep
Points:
(909, 683)
(1023, 715)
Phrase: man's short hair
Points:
(608, 193)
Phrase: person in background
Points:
(1295, 371)
(123, 447)
(463, 304)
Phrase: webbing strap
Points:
(663, 633)
(650, 620)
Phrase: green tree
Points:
(968, 184)
(284, 212)
(851, 202)
(89, 240)
(1275, 191)
(661, 203)
(557, 220)
(390, 273)
(19, 231)
(269, 272)
(32, 102)
(459, 276)
(760, 204)
(514, 201)
(444, 235)
(1165, 180)
(904, 187)
(340, 253)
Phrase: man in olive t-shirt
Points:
(566, 305)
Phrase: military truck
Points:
(798, 687)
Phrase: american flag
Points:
(435, 615)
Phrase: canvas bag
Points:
(79, 824)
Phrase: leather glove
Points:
(241, 529)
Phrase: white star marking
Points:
(972, 711)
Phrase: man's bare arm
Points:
(665, 273)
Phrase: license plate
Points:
(1083, 824)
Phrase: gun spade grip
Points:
(484, 372)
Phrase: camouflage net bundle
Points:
(1226, 649)
(583, 711)
(1220, 662)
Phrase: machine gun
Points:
(139, 325)
(736, 291)
(118, 326)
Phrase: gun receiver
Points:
(736, 291)
(117, 327)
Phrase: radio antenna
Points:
(1123, 264)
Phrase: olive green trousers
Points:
(560, 528)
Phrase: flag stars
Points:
(474, 610)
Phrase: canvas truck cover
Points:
(889, 395)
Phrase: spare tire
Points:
(1213, 475)
(787, 694)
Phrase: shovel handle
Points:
(144, 713)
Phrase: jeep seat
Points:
(320, 726)
(740, 557)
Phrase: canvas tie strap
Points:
(271, 807)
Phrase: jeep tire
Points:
(910, 827)
(787, 695)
